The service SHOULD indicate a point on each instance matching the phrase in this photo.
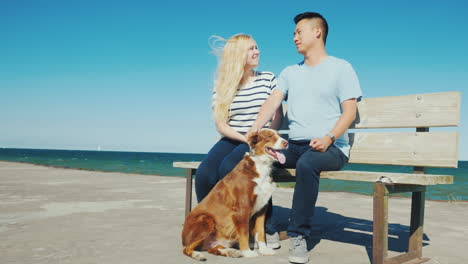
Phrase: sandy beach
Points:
(53, 215)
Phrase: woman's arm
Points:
(227, 131)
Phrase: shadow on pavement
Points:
(340, 228)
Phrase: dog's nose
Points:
(285, 143)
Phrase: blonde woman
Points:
(239, 93)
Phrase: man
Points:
(322, 94)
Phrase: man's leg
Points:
(308, 168)
(272, 236)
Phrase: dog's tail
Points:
(196, 230)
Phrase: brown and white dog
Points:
(224, 216)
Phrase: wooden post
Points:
(417, 213)
(417, 222)
(188, 191)
(380, 226)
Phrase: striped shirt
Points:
(248, 100)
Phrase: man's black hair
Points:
(309, 15)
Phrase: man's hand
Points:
(253, 129)
(320, 144)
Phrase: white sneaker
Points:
(298, 250)
(273, 241)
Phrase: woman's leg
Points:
(231, 160)
(207, 173)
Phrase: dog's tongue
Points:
(280, 156)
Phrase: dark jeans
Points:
(221, 159)
(308, 163)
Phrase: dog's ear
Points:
(252, 139)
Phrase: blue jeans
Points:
(221, 159)
(308, 163)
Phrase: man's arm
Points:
(277, 119)
(267, 110)
(349, 108)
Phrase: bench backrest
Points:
(419, 148)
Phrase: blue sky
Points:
(137, 75)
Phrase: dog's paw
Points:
(249, 253)
(198, 256)
(266, 251)
(231, 252)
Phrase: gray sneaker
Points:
(273, 241)
(298, 250)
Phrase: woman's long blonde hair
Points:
(230, 71)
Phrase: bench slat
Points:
(400, 178)
(387, 177)
(420, 110)
(367, 176)
(431, 149)
(186, 165)
(407, 111)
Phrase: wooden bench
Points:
(419, 148)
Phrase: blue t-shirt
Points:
(314, 95)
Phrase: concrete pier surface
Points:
(53, 215)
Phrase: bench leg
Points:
(380, 226)
(380, 237)
(417, 222)
(188, 191)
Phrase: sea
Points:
(153, 163)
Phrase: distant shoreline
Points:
(95, 150)
(181, 176)
(128, 151)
